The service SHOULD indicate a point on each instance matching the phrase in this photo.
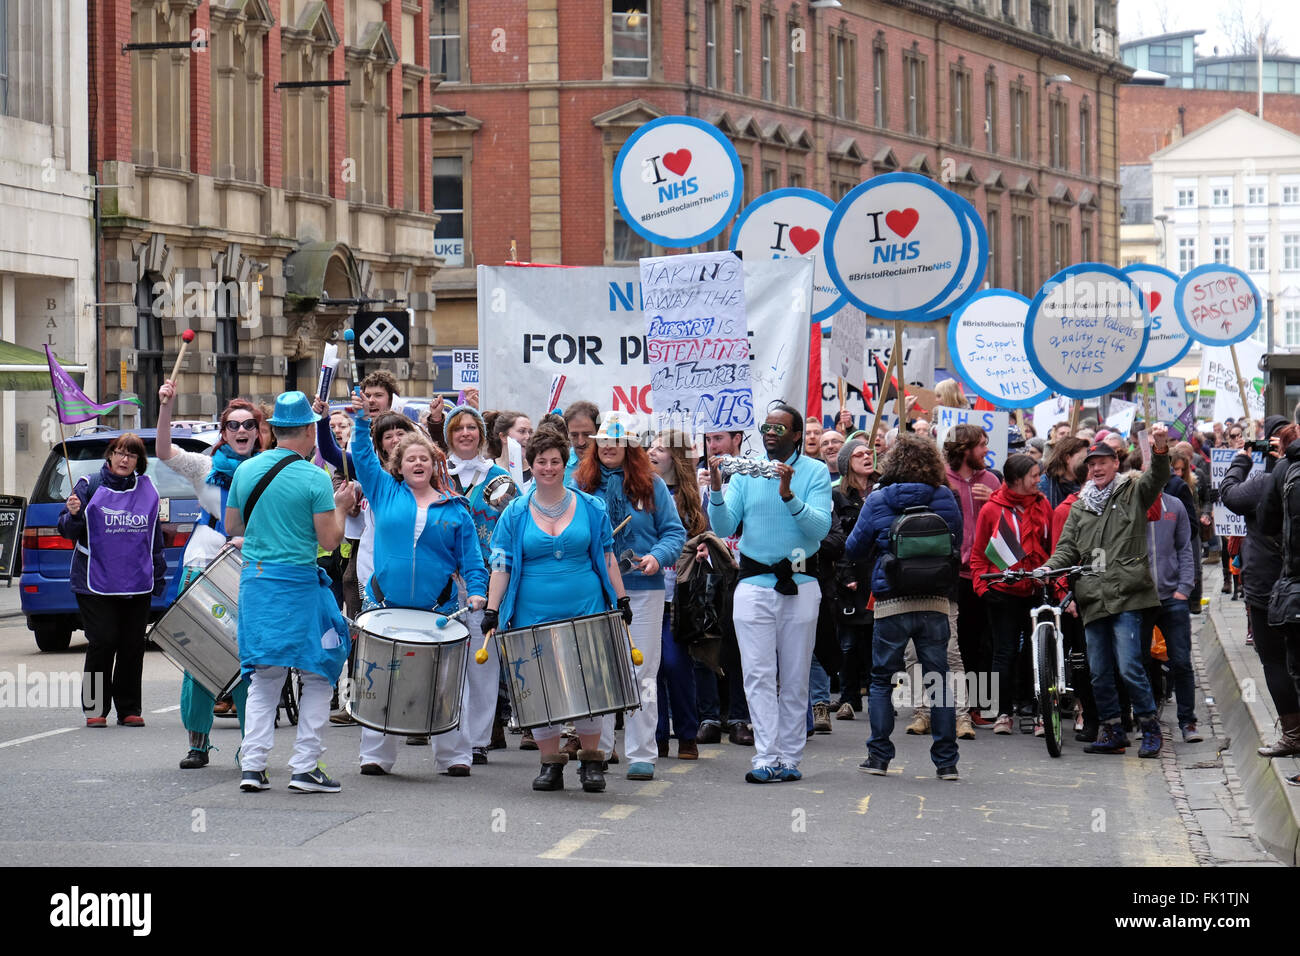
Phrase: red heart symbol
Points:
(804, 239)
(678, 162)
(1154, 299)
(902, 221)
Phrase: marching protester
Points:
(912, 595)
(812, 436)
(1110, 517)
(776, 606)
(849, 581)
(618, 470)
(508, 434)
(210, 475)
(829, 447)
(580, 421)
(296, 515)
(1086, 722)
(118, 567)
(424, 537)
(553, 559)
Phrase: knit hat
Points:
(846, 453)
(1273, 422)
(1038, 443)
(469, 409)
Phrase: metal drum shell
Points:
(200, 631)
(408, 688)
(569, 669)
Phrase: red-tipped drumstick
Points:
(186, 338)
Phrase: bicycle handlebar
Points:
(1077, 570)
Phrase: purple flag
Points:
(1182, 425)
(73, 405)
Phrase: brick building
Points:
(237, 206)
(973, 92)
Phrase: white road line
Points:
(48, 733)
(571, 844)
(166, 710)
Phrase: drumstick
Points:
(622, 524)
(481, 655)
(442, 621)
(186, 338)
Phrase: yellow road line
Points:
(863, 804)
(619, 811)
(680, 768)
(653, 789)
(708, 754)
(571, 844)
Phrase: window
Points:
(1255, 195)
(1186, 254)
(991, 113)
(1291, 329)
(410, 150)
(1085, 141)
(630, 35)
(304, 116)
(879, 71)
(794, 63)
(148, 351)
(959, 105)
(770, 176)
(1022, 272)
(766, 41)
(1255, 254)
(1060, 244)
(1060, 135)
(1290, 195)
(227, 343)
(740, 48)
(160, 86)
(1186, 198)
(26, 60)
(444, 39)
(367, 129)
(449, 203)
(1020, 122)
(914, 93)
(711, 63)
(795, 179)
(841, 188)
(1221, 196)
(1291, 252)
(993, 273)
(628, 245)
(1085, 243)
(236, 107)
(1222, 246)
(843, 82)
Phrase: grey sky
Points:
(1138, 18)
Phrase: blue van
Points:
(47, 598)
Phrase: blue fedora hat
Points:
(293, 410)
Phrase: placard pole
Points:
(895, 357)
(1146, 396)
(1241, 390)
(1075, 405)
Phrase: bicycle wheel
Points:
(289, 695)
(1049, 686)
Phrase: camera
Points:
(1261, 445)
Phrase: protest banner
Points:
(986, 344)
(995, 424)
(849, 346)
(1169, 340)
(1217, 304)
(464, 369)
(1219, 376)
(1086, 330)
(1227, 522)
(791, 222)
(1051, 411)
(1121, 416)
(1171, 397)
(697, 342)
(678, 181)
(918, 372)
(598, 338)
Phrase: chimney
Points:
(1182, 116)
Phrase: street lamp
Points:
(1163, 219)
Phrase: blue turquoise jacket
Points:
(484, 515)
(416, 575)
(508, 547)
(657, 532)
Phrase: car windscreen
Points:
(88, 457)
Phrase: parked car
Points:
(47, 598)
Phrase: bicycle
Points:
(1051, 675)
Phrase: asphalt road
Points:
(115, 797)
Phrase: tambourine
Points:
(500, 491)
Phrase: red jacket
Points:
(1059, 515)
(1034, 518)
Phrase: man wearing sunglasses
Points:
(777, 599)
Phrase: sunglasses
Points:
(248, 426)
(769, 428)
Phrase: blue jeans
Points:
(819, 688)
(1116, 643)
(1174, 618)
(676, 688)
(929, 631)
(706, 690)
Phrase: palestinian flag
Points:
(1004, 550)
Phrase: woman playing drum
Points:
(553, 559)
(240, 439)
(423, 536)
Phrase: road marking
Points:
(619, 811)
(680, 768)
(863, 804)
(48, 733)
(708, 754)
(571, 844)
(653, 789)
(166, 710)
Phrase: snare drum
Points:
(200, 632)
(409, 673)
(567, 670)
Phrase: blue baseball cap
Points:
(293, 410)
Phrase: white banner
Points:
(995, 425)
(1219, 376)
(464, 369)
(586, 323)
(1225, 521)
(849, 345)
(918, 371)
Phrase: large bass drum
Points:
(409, 673)
(566, 670)
(200, 632)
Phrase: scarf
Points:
(1094, 498)
(224, 463)
(468, 472)
(611, 488)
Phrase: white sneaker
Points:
(1003, 724)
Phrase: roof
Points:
(1143, 41)
(1287, 140)
(1135, 181)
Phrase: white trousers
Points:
(639, 743)
(259, 720)
(478, 706)
(776, 634)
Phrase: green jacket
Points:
(1116, 539)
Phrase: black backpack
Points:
(922, 560)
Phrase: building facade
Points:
(47, 262)
(262, 176)
(1011, 103)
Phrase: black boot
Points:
(552, 775)
(592, 771)
(1089, 732)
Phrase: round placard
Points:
(1169, 341)
(1217, 304)
(897, 246)
(986, 338)
(978, 238)
(1087, 329)
(677, 181)
(786, 223)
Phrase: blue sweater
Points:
(657, 532)
(879, 511)
(508, 546)
(1169, 547)
(415, 573)
(775, 529)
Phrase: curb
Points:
(1249, 723)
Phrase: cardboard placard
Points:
(995, 425)
(1218, 304)
(1169, 341)
(791, 222)
(986, 344)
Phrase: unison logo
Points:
(76, 909)
(121, 518)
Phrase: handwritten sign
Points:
(1229, 522)
(464, 369)
(848, 345)
(995, 425)
(986, 338)
(678, 181)
(1171, 397)
(697, 342)
(898, 245)
(1219, 379)
(918, 372)
(1217, 304)
(1169, 341)
(791, 222)
(1086, 330)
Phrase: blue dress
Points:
(558, 580)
